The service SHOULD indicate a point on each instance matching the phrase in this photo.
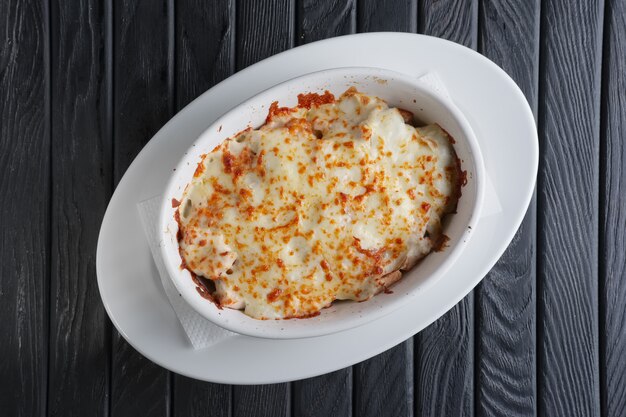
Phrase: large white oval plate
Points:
(397, 90)
(131, 289)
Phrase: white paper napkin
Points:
(201, 332)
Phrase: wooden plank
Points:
(204, 56)
(25, 202)
(80, 333)
(455, 20)
(205, 52)
(445, 350)
(387, 15)
(444, 364)
(192, 398)
(142, 103)
(143, 76)
(383, 385)
(326, 395)
(261, 400)
(506, 299)
(506, 329)
(567, 265)
(613, 214)
(263, 29)
(322, 19)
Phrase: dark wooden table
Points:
(84, 85)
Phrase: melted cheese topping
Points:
(323, 202)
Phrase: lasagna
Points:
(329, 200)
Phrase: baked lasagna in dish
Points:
(329, 200)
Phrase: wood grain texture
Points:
(264, 28)
(454, 20)
(567, 267)
(506, 330)
(192, 398)
(613, 214)
(143, 76)
(444, 364)
(383, 385)
(445, 350)
(142, 103)
(322, 19)
(80, 342)
(506, 298)
(272, 400)
(205, 53)
(204, 56)
(387, 15)
(25, 201)
(324, 396)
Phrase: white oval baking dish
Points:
(397, 89)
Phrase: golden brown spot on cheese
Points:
(313, 99)
(275, 111)
(245, 193)
(274, 294)
(200, 168)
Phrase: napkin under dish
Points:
(201, 332)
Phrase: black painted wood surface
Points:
(612, 249)
(81, 132)
(142, 103)
(567, 209)
(505, 349)
(25, 206)
(83, 87)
